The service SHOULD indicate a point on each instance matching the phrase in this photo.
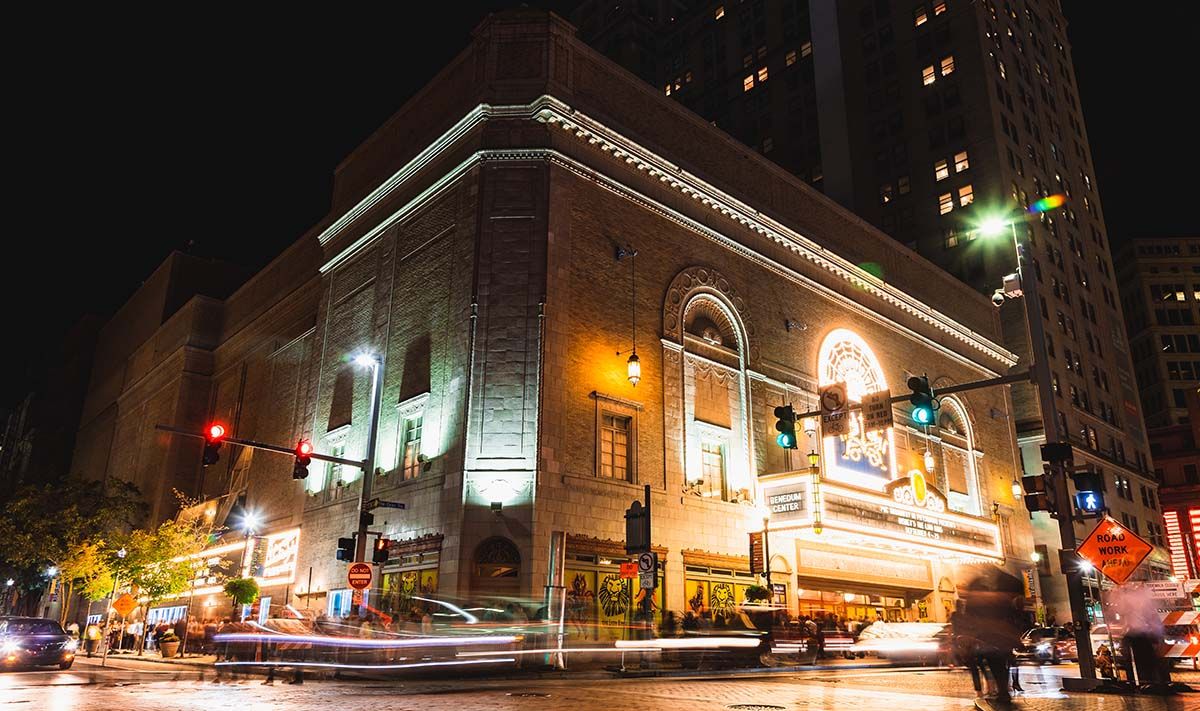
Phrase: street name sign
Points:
(835, 418)
(359, 576)
(378, 503)
(877, 410)
(1114, 550)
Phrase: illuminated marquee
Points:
(910, 516)
(273, 557)
(860, 458)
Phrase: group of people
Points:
(127, 636)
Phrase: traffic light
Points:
(1089, 485)
(214, 437)
(380, 555)
(304, 451)
(637, 528)
(923, 402)
(1036, 495)
(786, 426)
(345, 549)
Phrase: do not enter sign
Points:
(1114, 550)
(359, 576)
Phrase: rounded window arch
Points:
(497, 557)
(958, 474)
(861, 458)
(715, 397)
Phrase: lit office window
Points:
(948, 65)
(748, 83)
(966, 196)
(941, 170)
(961, 162)
(927, 75)
(945, 203)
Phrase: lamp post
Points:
(108, 622)
(1038, 613)
(360, 542)
(1027, 289)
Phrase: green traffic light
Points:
(786, 440)
(922, 415)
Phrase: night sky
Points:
(219, 136)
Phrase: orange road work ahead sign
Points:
(1114, 550)
(124, 605)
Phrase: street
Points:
(136, 686)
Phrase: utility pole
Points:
(1057, 454)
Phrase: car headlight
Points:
(9, 647)
(1043, 647)
(71, 645)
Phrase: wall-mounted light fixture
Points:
(633, 366)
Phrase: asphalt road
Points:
(137, 686)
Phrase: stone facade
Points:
(473, 249)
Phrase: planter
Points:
(168, 649)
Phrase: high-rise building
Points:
(1160, 290)
(929, 119)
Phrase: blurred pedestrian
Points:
(1144, 632)
(993, 601)
(91, 638)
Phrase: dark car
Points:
(34, 642)
(1046, 645)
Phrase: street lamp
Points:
(1017, 490)
(814, 472)
(1024, 284)
(121, 553)
(367, 360)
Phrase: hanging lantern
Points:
(634, 369)
(929, 461)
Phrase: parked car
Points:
(35, 641)
(1047, 645)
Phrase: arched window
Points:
(955, 449)
(715, 401)
(860, 458)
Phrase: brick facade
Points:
(480, 265)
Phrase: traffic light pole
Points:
(1022, 377)
(290, 451)
(1040, 371)
(368, 465)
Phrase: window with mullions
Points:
(410, 448)
(614, 446)
(712, 470)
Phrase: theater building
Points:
(503, 245)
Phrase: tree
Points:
(242, 591)
(46, 526)
(157, 561)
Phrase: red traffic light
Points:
(216, 431)
(304, 448)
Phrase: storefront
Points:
(410, 574)
(600, 604)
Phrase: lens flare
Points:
(1048, 203)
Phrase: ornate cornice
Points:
(551, 111)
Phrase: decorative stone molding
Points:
(606, 547)
(419, 544)
(706, 280)
(692, 556)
